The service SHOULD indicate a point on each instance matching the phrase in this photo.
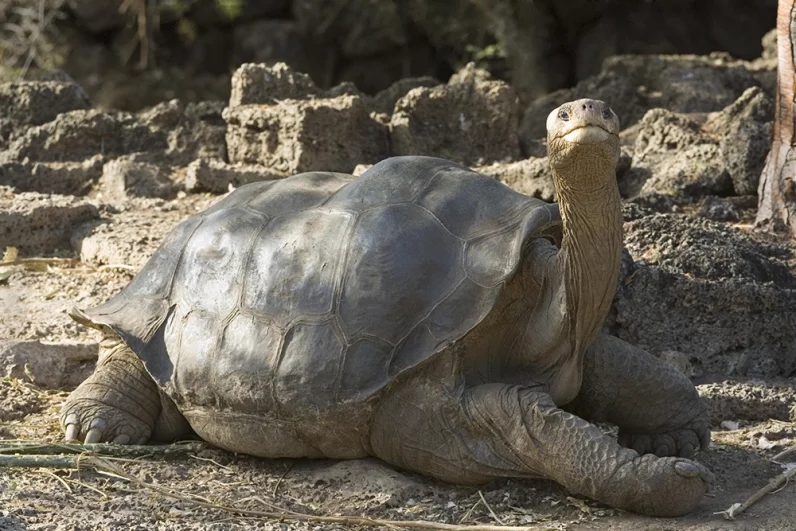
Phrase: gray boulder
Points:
(471, 123)
(672, 155)
(744, 128)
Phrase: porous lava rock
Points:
(279, 119)
(218, 177)
(672, 155)
(470, 122)
(747, 400)
(634, 84)
(65, 178)
(191, 130)
(261, 83)
(293, 136)
(27, 103)
(39, 224)
(78, 135)
(744, 129)
(719, 295)
(127, 177)
(531, 176)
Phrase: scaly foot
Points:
(682, 442)
(119, 403)
(655, 486)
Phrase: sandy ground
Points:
(61, 499)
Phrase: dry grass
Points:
(28, 35)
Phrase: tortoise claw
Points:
(72, 425)
(94, 435)
(96, 429)
(122, 439)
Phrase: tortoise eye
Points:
(564, 115)
(607, 113)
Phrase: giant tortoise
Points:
(421, 313)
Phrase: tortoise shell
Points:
(322, 288)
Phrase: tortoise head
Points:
(582, 134)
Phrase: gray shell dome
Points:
(321, 288)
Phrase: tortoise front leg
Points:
(121, 403)
(498, 430)
(656, 407)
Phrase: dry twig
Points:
(784, 453)
(279, 481)
(774, 484)
(106, 467)
(489, 508)
(39, 262)
(39, 450)
(469, 511)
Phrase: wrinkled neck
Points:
(591, 250)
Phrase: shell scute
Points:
(400, 263)
(306, 378)
(293, 269)
(209, 274)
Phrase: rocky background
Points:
(129, 122)
(131, 54)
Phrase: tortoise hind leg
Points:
(656, 407)
(120, 403)
(497, 430)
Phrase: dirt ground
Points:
(58, 499)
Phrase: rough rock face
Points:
(693, 156)
(747, 401)
(721, 297)
(78, 135)
(66, 178)
(128, 177)
(279, 119)
(470, 123)
(745, 131)
(531, 176)
(49, 366)
(192, 130)
(672, 155)
(632, 85)
(39, 225)
(703, 249)
(34, 103)
(383, 102)
(295, 136)
(260, 83)
(215, 176)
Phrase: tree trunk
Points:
(777, 190)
